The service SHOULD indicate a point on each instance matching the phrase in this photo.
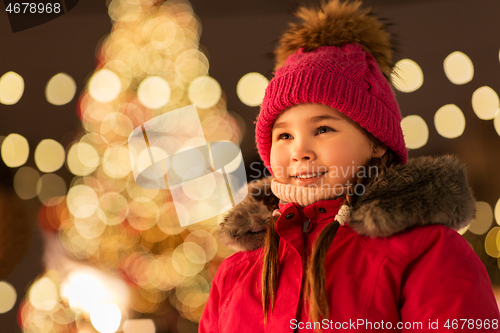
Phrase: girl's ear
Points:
(378, 150)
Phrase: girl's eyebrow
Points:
(314, 119)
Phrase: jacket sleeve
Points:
(446, 287)
(209, 321)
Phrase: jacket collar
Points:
(424, 191)
(319, 211)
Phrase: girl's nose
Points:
(302, 153)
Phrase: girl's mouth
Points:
(309, 176)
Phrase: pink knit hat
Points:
(345, 76)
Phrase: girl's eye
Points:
(283, 136)
(324, 129)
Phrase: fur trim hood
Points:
(425, 191)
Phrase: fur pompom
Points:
(336, 23)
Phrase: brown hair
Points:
(315, 277)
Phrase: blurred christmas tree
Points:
(115, 252)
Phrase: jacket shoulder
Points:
(406, 246)
(233, 266)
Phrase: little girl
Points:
(346, 235)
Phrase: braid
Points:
(315, 284)
(270, 265)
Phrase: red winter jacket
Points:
(397, 265)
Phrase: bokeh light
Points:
(60, 89)
(484, 218)
(200, 189)
(115, 128)
(153, 92)
(116, 162)
(104, 86)
(25, 183)
(415, 131)
(449, 121)
(485, 103)
(139, 326)
(11, 88)
(186, 259)
(8, 297)
(458, 68)
(407, 76)
(82, 159)
(15, 150)
(492, 243)
(463, 230)
(82, 201)
(497, 212)
(106, 318)
(86, 289)
(43, 294)
(251, 88)
(496, 123)
(49, 155)
(50, 186)
(115, 206)
(150, 63)
(204, 91)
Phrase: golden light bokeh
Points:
(116, 162)
(92, 226)
(149, 64)
(251, 88)
(104, 86)
(50, 186)
(11, 88)
(485, 103)
(8, 297)
(115, 207)
(43, 294)
(83, 159)
(115, 128)
(125, 11)
(449, 121)
(60, 89)
(82, 201)
(153, 92)
(497, 212)
(106, 318)
(200, 188)
(415, 131)
(15, 150)
(463, 230)
(233, 165)
(484, 218)
(191, 64)
(25, 183)
(204, 91)
(49, 155)
(407, 76)
(492, 243)
(86, 289)
(183, 265)
(496, 123)
(458, 68)
(139, 326)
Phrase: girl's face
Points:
(321, 145)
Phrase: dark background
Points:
(238, 37)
